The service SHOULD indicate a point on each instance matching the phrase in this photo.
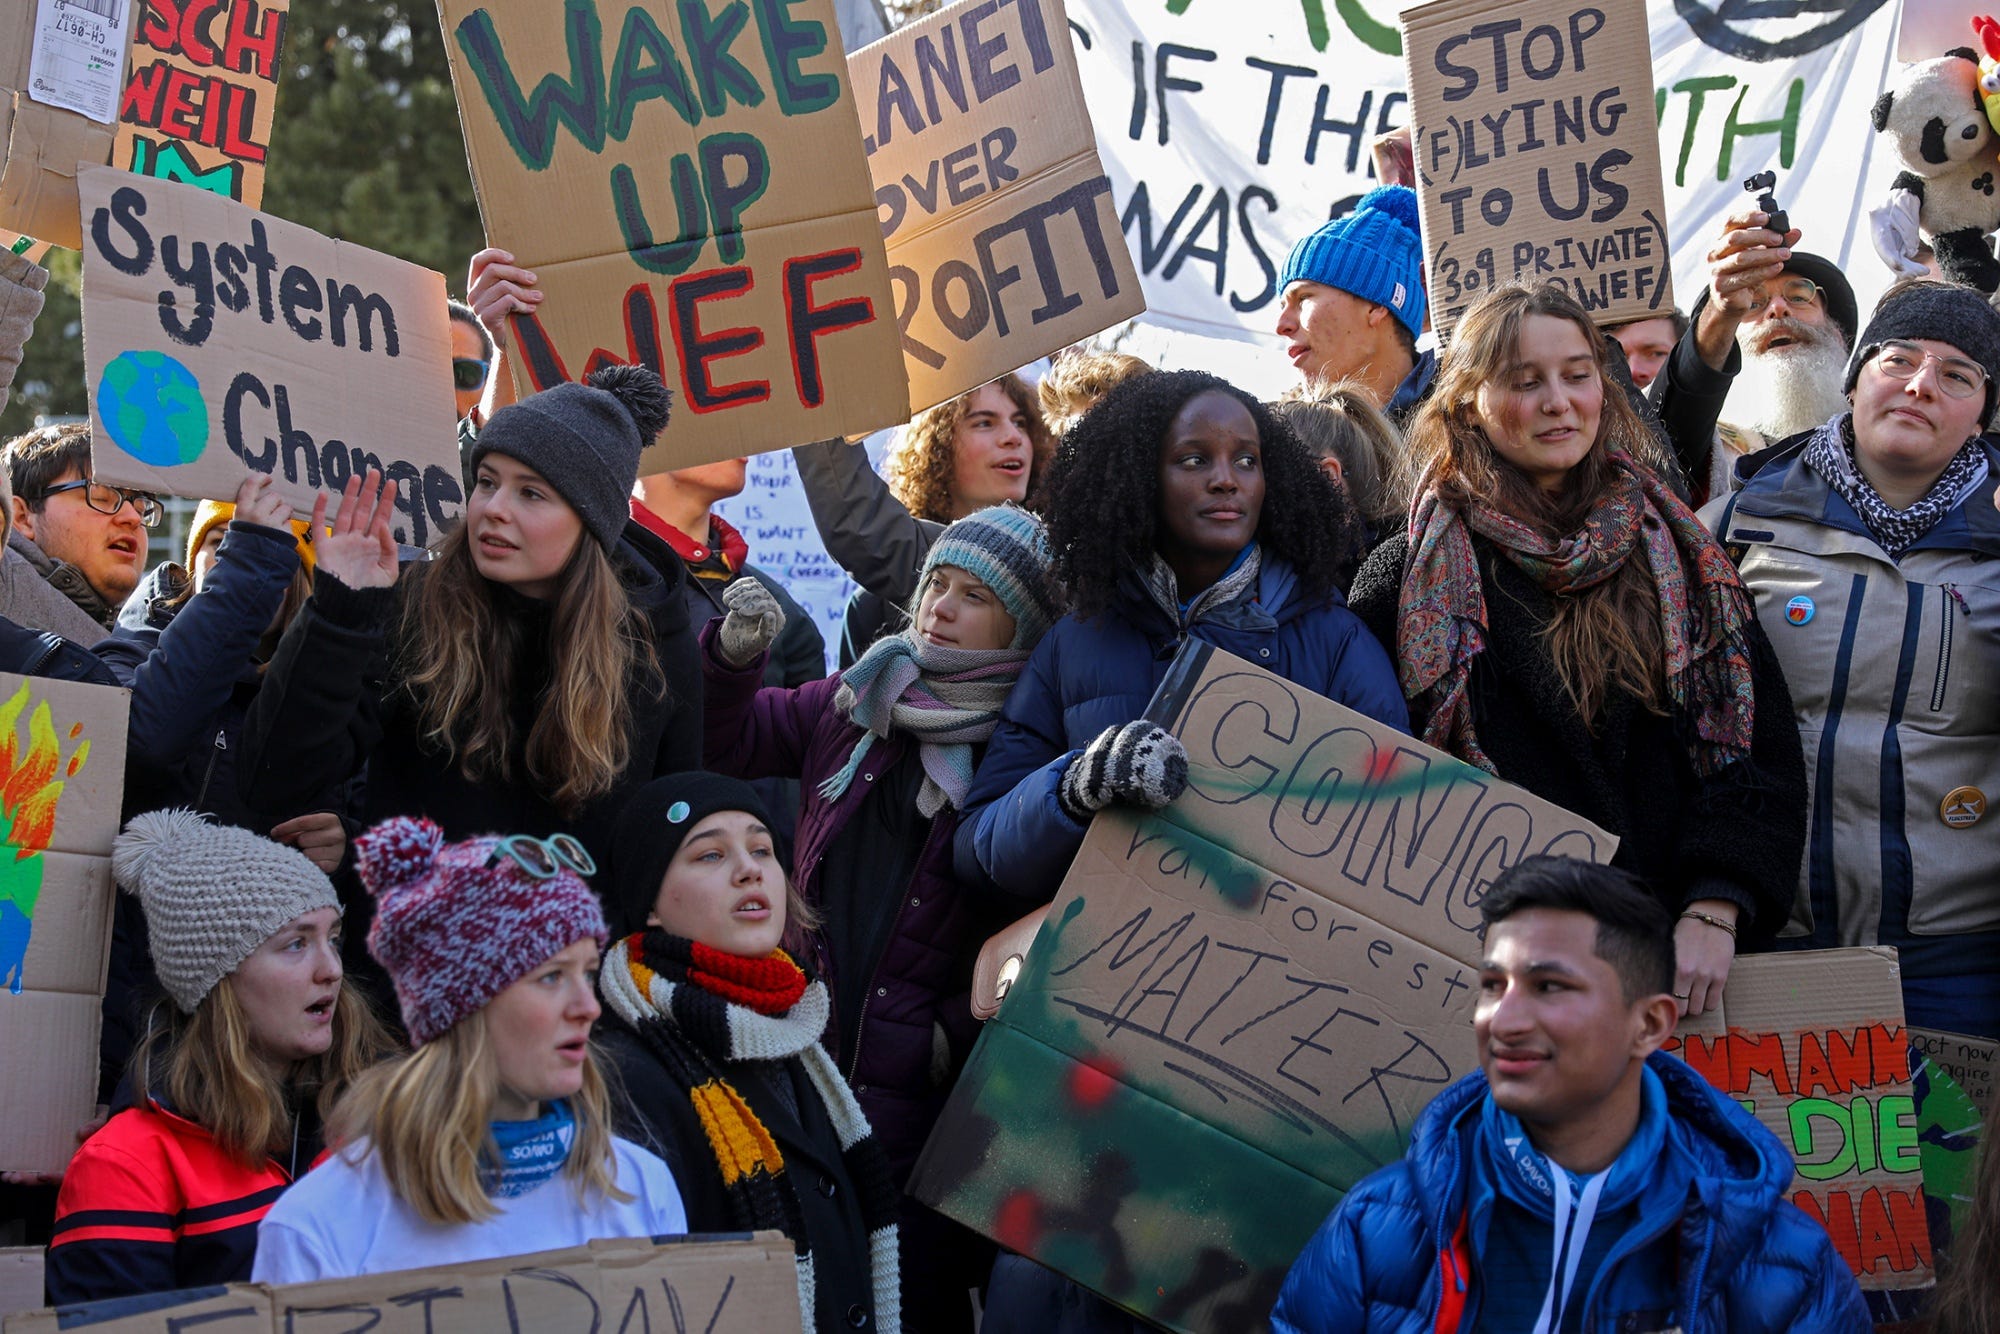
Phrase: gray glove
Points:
(753, 622)
(21, 285)
(1137, 764)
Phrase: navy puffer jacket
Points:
(1086, 676)
(1399, 1256)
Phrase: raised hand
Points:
(258, 502)
(753, 622)
(358, 550)
(320, 836)
(496, 287)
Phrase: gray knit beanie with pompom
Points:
(212, 894)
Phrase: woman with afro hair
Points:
(1178, 507)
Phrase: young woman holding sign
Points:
(531, 677)
(493, 1137)
(1562, 620)
(229, 1088)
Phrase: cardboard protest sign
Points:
(1537, 153)
(1813, 1044)
(62, 777)
(689, 189)
(35, 251)
(218, 339)
(1238, 1005)
(62, 65)
(1003, 239)
(736, 1284)
(1973, 1063)
(198, 105)
(20, 1278)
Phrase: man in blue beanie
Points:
(1581, 1178)
(1353, 301)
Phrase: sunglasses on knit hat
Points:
(542, 858)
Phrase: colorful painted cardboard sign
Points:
(1813, 1044)
(1003, 240)
(218, 339)
(1238, 1005)
(688, 186)
(62, 777)
(203, 88)
(737, 1284)
(62, 64)
(1538, 153)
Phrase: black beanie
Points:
(1940, 312)
(585, 440)
(651, 828)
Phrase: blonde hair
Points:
(1078, 378)
(919, 465)
(1606, 637)
(204, 1066)
(428, 1117)
(462, 653)
(1339, 420)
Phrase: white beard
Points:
(1790, 389)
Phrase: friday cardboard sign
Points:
(218, 339)
(1237, 1005)
(1537, 153)
(203, 89)
(687, 184)
(62, 777)
(1813, 1044)
(1004, 244)
(741, 1284)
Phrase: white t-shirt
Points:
(343, 1219)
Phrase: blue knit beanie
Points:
(1375, 253)
(1004, 547)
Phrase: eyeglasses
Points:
(543, 857)
(1958, 377)
(111, 499)
(468, 372)
(1799, 293)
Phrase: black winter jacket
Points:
(333, 702)
(657, 1113)
(1738, 835)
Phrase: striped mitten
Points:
(1137, 764)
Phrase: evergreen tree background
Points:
(365, 146)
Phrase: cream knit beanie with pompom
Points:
(212, 894)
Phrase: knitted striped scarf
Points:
(947, 699)
(664, 988)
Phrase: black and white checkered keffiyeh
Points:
(1830, 453)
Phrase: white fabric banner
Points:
(1232, 127)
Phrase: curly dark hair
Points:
(1103, 491)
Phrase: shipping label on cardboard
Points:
(688, 186)
(1220, 1028)
(1537, 152)
(219, 340)
(1813, 1044)
(42, 142)
(203, 88)
(78, 56)
(736, 1284)
(1004, 243)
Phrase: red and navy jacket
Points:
(152, 1203)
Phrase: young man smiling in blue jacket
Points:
(1581, 1179)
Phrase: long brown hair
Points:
(429, 1117)
(1964, 1302)
(1606, 637)
(461, 659)
(204, 1067)
(919, 465)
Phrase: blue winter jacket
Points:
(1400, 1253)
(1086, 676)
